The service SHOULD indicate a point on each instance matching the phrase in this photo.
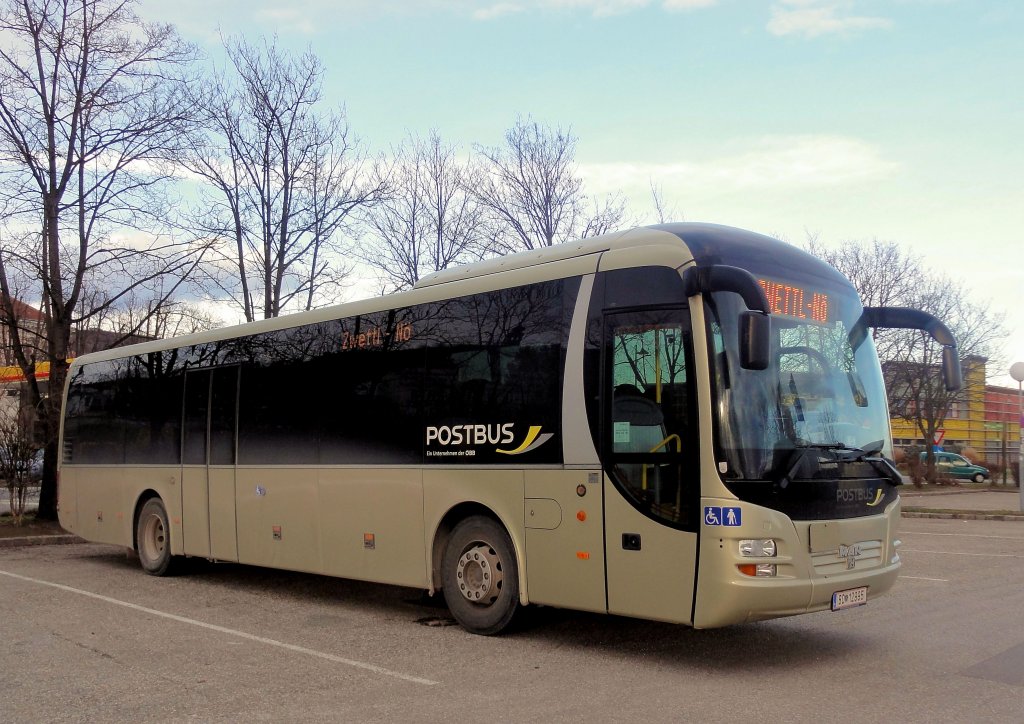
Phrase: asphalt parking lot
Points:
(88, 637)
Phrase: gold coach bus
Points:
(684, 423)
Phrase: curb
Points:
(939, 493)
(40, 540)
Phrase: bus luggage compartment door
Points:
(564, 546)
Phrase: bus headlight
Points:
(760, 548)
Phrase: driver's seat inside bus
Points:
(646, 434)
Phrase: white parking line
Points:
(963, 535)
(960, 553)
(231, 632)
(922, 578)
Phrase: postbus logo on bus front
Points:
(467, 437)
(869, 495)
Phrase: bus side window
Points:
(649, 411)
(639, 422)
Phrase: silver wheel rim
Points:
(154, 538)
(479, 574)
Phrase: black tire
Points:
(480, 576)
(979, 478)
(153, 538)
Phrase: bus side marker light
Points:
(583, 555)
(581, 516)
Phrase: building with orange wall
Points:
(1002, 424)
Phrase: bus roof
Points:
(666, 244)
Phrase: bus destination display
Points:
(790, 300)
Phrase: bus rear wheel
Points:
(153, 538)
(480, 576)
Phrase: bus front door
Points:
(208, 463)
(649, 453)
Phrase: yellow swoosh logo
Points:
(877, 500)
(530, 437)
(532, 441)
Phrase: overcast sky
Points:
(851, 119)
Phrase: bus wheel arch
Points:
(474, 557)
(143, 498)
(151, 534)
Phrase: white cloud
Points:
(496, 11)
(688, 4)
(289, 19)
(812, 18)
(597, 8)
(772, 163)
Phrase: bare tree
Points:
(604, 216)
(91, 112)
(283, 179)
(533, 195)
(17, 459)
(152, 317)
(663, 212)
(885, 275)
(28, 321)
(916, 390)
(429, 220)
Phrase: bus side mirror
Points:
(755, 340)
(951, 373)
(906, 318)
(755, 326)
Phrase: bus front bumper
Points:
(743, 599)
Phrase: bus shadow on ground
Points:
(743, 647)
(284, 584)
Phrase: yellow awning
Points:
(14, 374)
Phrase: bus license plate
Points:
(849, 598)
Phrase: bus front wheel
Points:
(153, 538)
(480, 576)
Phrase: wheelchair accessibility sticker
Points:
(715, 515)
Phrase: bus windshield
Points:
(820, 391)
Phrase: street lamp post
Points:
(1017, 373)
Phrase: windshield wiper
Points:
(870, 455)
(797, 458)
(841, 453)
